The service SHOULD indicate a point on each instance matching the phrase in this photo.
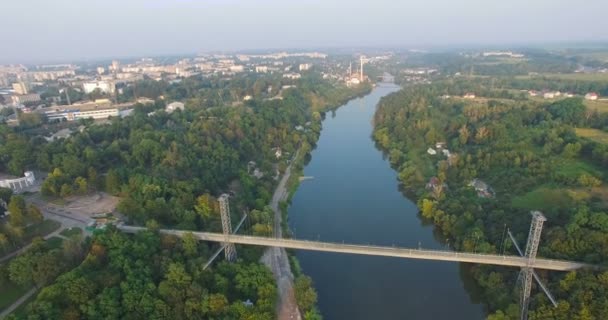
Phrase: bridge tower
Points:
(527, 273)
(229, 249)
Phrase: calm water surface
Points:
(354, 198)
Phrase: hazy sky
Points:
(89, 29)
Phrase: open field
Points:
(599, 105)
(573, 169)
(570, 76)
(592, 134)
(543, 198)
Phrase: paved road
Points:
(438, 255)
(17, 303)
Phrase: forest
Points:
(168, 170)
(529, 157)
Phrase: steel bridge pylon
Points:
(527, 273)
(230, 250)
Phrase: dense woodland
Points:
(529, 154)
(168, 170)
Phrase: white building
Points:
(305, 66)
(591, 96)
(103, 86)
(292, 76)
(261, 69)
(174, 106)
(238, 68)
(20, 183)
(75, 114)
(431, 151)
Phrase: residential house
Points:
(591, 96)
(482, 188)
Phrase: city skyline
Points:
(85, 30)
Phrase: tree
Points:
(190, 244)
(18, 211)
(34, 214)
(112, 182)
(3, 241)
(306, 296)
(206, 206)
(81, 185)
(66, 190)
(589, 181)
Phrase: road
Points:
(437, 255)
(276, 257)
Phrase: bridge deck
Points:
(512, 261)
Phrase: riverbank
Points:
(278, 260)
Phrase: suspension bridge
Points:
(527, 260)
(511, 261)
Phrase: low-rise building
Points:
(305, 66)
(292, 75)
(591, 96)
(103, 86)
(469, 95)
(174, 106)
(482, 188)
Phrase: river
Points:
(354, 197)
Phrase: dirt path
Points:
(17, 303)
(276, 258)
(55, 233)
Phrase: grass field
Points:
(54, 242)
(71, 232)
(570, 76)
(9, 293)
(37, 230)
(21, 310)
(573, 169)
(599, 105)
(544, 198)
(593, 134)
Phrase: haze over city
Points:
(304, 159)
(69, 29)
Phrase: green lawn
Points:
(573, 169)
(593, 134)
(36, 230)
(71, 232)
(21, 310)
(54, 242)
(571, 76)
(544, 199)
(9, 293)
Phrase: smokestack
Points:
(361, 76)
